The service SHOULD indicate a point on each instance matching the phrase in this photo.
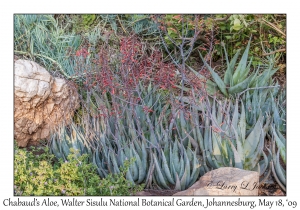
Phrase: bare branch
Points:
(276, 51)
(222, 19)
(203, 39)
(274, 27)
(166, 48)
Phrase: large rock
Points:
(42, 102)
(225, 181)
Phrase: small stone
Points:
(143, 193)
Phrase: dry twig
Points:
(276, 51)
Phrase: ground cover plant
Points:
(43, 175)
(163, 100)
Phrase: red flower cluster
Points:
(147, 109)
(82, 52)
(139, 64)
(134, 65)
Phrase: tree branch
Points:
(222, 19)
(276, 51)
(274, 27)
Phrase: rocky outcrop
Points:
(41, 102)
(225, 181)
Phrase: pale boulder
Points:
(41, 102)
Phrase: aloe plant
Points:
(143, 134)
(237, 78)
(152, 165)
(109, 160)
(172, 148)
(70, 137)
(279, 109)
(127, 136)
(228, 142)
(229, 135)
(278, 171)
(216, 134)
(268, 101)
(259, 101)
(174, 165)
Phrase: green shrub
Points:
(117, 184)
(88, 20)
(267, 32)
(39, 175)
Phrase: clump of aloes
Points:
(237, 78)
(229, 143)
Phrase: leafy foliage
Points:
(40, 175)
(267, 33)
(88, 20)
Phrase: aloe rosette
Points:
(174, 166)
(237, 77)
(68, 137)
(228, 142)
(276, 166)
